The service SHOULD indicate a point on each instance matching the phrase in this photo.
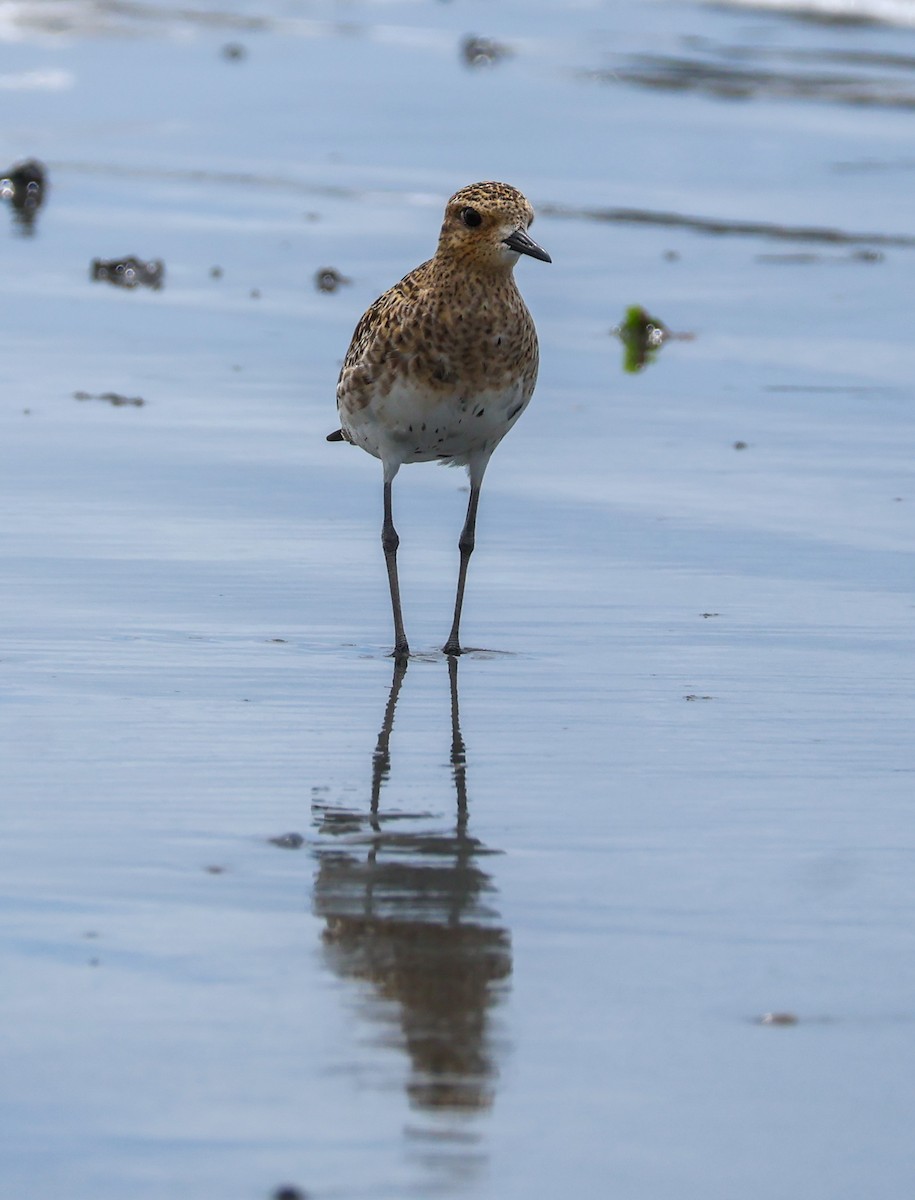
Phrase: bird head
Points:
(486, 225)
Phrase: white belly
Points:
(407, 426)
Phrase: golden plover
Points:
(444, 363)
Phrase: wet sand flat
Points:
(618, 903)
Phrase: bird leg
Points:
(465, 545)
(390, 541)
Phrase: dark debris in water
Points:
(287, 841)
(826, 389)
(810, 258)
(869, 165)
(288, 1192)
(729, 226)
(328, 279)
(483, 51)
(777, 1018)
(25, 185)
(115, 399)
(130, 272)
(748, 72)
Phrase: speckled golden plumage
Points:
(443, 364)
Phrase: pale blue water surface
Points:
(524, 945)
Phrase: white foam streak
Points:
(49, 80)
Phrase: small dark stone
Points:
(130, 272)
(740, 445)
(287, 841)
(115, 399)
(286, 1192)
(328, 279)
(120, 401)
(25, 185)
(234, 51)
(216, 272)
(483, 51)
(777, 1018)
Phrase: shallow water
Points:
(539, 899)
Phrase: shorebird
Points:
(444, 363)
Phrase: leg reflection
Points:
(458, 753)
(381, 759)
(409, 909)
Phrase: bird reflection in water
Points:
(408, 909)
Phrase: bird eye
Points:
(471, 217)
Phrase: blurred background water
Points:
(619, 904)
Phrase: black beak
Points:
(523, 244)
